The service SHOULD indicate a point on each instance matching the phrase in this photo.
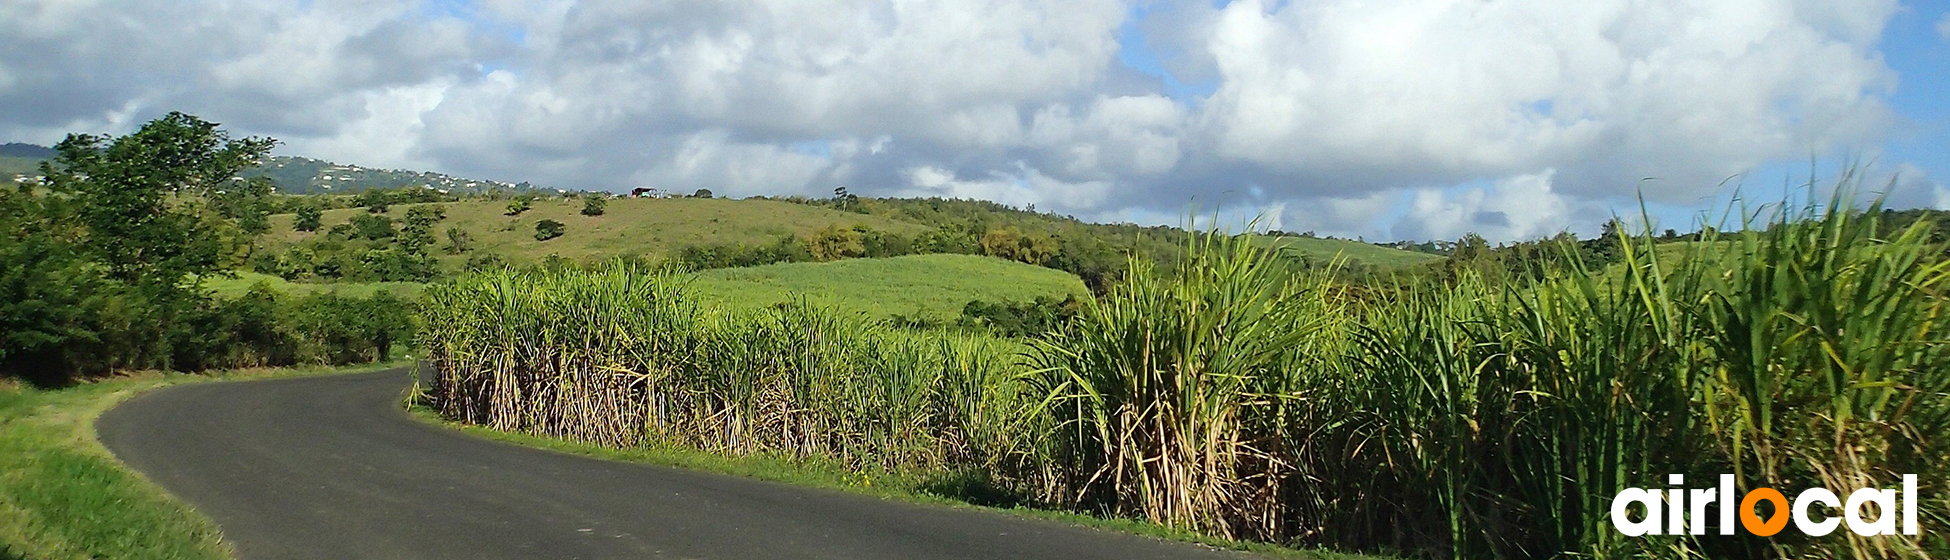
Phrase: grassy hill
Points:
(931, 286)
(233, 287)
(631, 226)
(1353, 251)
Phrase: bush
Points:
(519, 205)
(373, 226)
(307, 218)
(594, 204)
(548, 229)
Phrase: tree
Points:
(308, 218)
(845, 200)
(373, 226)
(835, 242)
(458, 241)
(548, 229)
(702, 193)
(376, 201)
(519, 205)
(145, 197)
(593, 204)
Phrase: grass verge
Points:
(910, 487)
(63, 495)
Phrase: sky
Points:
(1384, 120)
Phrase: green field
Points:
(930, 286)
(1351, 251)
(245, 280)
(630, 226)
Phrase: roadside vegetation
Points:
(104, 262)
(1491, 410)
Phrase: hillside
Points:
(927, 286)
(13, 167)
(630, 226)
(301, 175)
(1354, 252)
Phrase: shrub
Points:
(548, 229)
(373, 226)
(307, 218)
(593, 204)
(519, 205)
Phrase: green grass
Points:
(931, 286)
(1352, 251)
(233, 287)
(831, 475)
(62, 495)
(630, 226)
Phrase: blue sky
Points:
(1417, 119)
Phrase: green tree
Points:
(308, 218)
(144, 198)
(458, 241)
(519, 205)
(376, 201)
(835, 242)
(593, 204)
(702, 193)
(548, 229)
(373, 226)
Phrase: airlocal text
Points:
(1665, 511)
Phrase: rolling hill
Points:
(927, 286)
(1325, 249)
(630, 227)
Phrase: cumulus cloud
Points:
(1519, 207)
(1424, 118)
(1604, 92)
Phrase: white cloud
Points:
(1519, 207)
(1943, 26)
(1605, 92)
(1342, 116)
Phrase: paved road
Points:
(332, 468)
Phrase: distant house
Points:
(648, 192)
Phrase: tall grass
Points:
(1237, 397)
(615, 356)
(1170, 393)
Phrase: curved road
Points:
(332, 468)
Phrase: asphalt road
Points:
(332, 468)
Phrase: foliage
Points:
(1492, 413)
(308, 218)
(548, 229)
(519, 205)
(103, 270)
(144, 198)
(458, 241)
(681, 374)
(702, 193)
(594, 204)
(375, 201)
(1043, 316)
(834, 242)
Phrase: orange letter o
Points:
(1752, 521)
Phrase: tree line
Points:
(103, 264)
